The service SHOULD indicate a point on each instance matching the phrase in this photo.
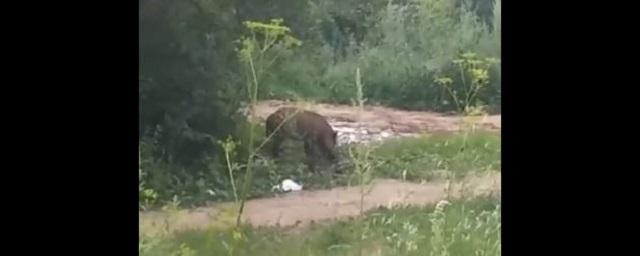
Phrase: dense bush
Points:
(400, 48)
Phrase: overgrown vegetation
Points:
(459, 227)
(192, 82)
(402, 46)
(204, 62)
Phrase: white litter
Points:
(288, 185)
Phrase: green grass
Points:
(428, 156)
(465, 227)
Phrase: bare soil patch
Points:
(376, 123)
(382, 118)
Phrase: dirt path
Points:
(378, 122)
(306, 206)
(382, 118)
(297, 209)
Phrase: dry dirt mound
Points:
(303, 207)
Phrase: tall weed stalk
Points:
(257, 53)
(360, 155)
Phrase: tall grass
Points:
(360, 156)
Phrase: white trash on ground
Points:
(288, 185)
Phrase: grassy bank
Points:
(465, 227)
(426, 157)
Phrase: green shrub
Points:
(406, 46)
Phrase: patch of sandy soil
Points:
(337, 203)
(379, 118)
(297, 209)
